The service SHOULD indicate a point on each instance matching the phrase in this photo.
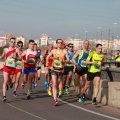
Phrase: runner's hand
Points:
(78, 67)
(95, 62)
(0, 57)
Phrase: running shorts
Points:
(58, 74)
(9, 70)
(90, 76)
(68, 69)
(82, 71)
(29, 70)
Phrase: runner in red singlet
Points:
(30, 59)
(10, 55)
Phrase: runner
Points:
(95, 60)
(81, 69)
(10, 54)
(30, 59)
(34, 81)
(47, 70)
(39, 64)
(18, 70)
(59, 56)
(68, 70)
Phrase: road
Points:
(41, 107)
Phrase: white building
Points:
(44, 39)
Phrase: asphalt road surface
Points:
(41, 107)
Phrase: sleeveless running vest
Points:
(10, 57)
(19, 64)
(95, 57)
(70, 55)
(117, 57)
(58, 63)
(82, 58)
(30, 57)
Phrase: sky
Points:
(60, 18)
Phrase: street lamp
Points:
(86, 35)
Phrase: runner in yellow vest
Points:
(95, 60)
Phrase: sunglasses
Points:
(71, 46)
(59, 42)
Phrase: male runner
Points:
(59, 56)
(10, 54)
(18, 70)
(47, 70)
(30, 59)
(95, 60)
(81, 69)
(68, 69)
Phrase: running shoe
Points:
(73, 84)
(50, 91)
(46, 84)
(81, 100)
(11, 85)
(67, 91)
(22, 86)
(33, 85)
(94, 102)
(60, 94)
(28, 96)
(55, 102)
(63, 92)
(4, 98)
(14, 94)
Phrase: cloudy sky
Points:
(60, 18)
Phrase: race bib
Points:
(31, 61)
(82, 63)
(70, 63)
(57, 64)
(19, 64)
(10, 62)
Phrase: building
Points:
(21, 38)
(2, 41)
(44, 39)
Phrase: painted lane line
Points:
(23, 110)
(26, 112)
(90, 111)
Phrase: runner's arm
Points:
(48, 57)
(22, 55)
(75, 56)
(3, 54)
(67, 58)
(18, 53)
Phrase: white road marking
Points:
(90, 111)
(23, 110)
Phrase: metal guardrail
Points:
(112, 66)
